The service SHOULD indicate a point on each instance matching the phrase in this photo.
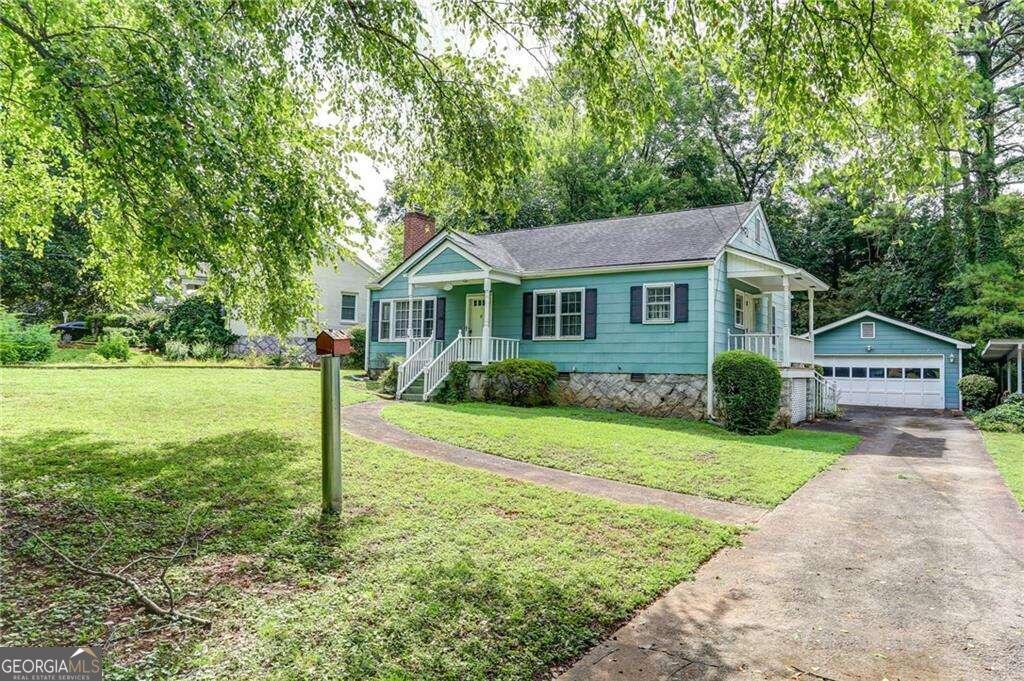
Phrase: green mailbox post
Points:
(331, 346)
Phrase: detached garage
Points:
(882, 362)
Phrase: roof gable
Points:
(869, 315)
(754, 235)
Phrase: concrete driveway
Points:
(905, 560)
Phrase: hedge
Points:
(520, 382)
(747, 389)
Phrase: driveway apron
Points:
(905, 560)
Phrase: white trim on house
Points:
(960, 373)
(800, 279)
(462, 278)
(611, 269)
(355, 306)
(712, 292)
(910, 327)
(391, 303)
(369, 332)
(558, 313)
(402, 267)
(863, 327)
(455, 248)
(671, 303)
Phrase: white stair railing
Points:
(414, 365)
(826, 396)
(465, 349)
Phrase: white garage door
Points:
(887, 381)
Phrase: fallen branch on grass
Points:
(148, 603)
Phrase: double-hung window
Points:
(659, 300)
(348, 307)
(398, 316)
(739, 313)
(558, 314)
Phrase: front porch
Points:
(760, 294)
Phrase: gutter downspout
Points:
(366, 326)
(960, 374)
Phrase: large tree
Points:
(182, 133)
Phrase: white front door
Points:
(475, 314)
(888, 380)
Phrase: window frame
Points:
(355, 306)
(872, 325)
(671, 303)
(390, 318)
(558, 312)
(737, 297)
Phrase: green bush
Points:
(130, 334)
(113, 346)
(200, 351)
(389, 377)
(520, 382)
(978, 392)
(1008, 417)
(198, 321)
(175, 351)
(456, 386)
(150, 325)
(1014, 398)
(20, 343)
(747, 389)
(358, 357)
(95, 358)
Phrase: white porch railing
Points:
(800, 350)
(826, 396)
(771, 346)
(767, 344)
(465, 349)
(415, 363)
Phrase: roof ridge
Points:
(617, 217)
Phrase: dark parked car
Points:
(70, 331)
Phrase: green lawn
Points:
(670, 454)
(1007, 449)
(432, 571)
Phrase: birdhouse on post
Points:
(331, 345)
(332, 342)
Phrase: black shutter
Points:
(528, 316)
(682, 302)
(590, 313)
(375, 321)
(439, 306)
(636, 304)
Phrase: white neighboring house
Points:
(342, 301)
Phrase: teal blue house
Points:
(631, 310)
(878, 361)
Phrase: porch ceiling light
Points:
(447, 287)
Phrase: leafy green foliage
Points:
(520, 382)
(1007, 450)
(389, 377)
(46, 285)
(456, 387)
(678, 455)
(175, 351)
(198, 321)
(113, 345)
(1007, 417)
(978, 392)
(357, 359)
(20, 343)
(747, 390)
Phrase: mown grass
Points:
(1007, 450)
(432, 571)
(671, 454)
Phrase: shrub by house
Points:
(747, 388)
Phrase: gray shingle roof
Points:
(695, 234)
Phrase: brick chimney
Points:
(419, 229)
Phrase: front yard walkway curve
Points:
(365, 421)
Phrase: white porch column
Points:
(1020, 369)
(486, 350)
(1009, 383)
(408, 328)
(810, 320)
(786, 319)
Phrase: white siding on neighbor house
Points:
(331, 282)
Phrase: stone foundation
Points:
(682, 395)
(270, 345)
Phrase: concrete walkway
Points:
(905, 560)
(364, 420)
